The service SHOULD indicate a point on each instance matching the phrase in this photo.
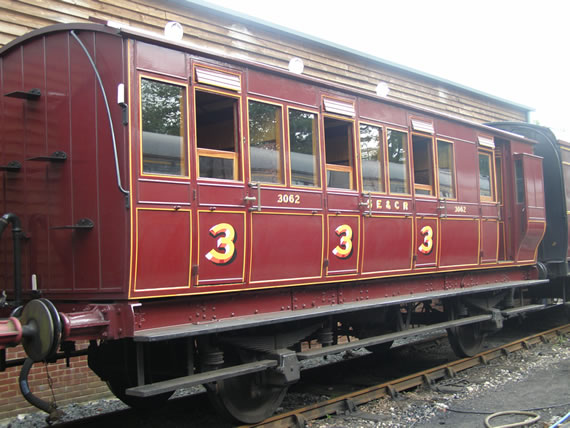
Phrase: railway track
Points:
(349, 402)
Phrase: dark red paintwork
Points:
(155, 246)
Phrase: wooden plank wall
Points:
(231, 35)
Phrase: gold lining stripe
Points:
(136, 250)
(198, 251)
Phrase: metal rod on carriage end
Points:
(124, 191)
(313, 353)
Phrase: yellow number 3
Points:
(344, 250)
(427, 245)
(225, 243)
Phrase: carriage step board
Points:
(377, 340)
(198, 379)
(237, 323)
(370, 341)
(508, 313)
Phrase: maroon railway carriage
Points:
(198, 216)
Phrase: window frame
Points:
(493, 182)
(429, 188)
(454, 178)
(316, 147)
(351, 153)
(237, 154)
(383, 161)
(499, 179)
(284, 147)
(185, 114)
(408, 176)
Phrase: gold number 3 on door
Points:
(224, 243)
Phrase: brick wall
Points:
(70, 385)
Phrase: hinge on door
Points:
(58, 156)
(13, 166)
(82, 224)
(194, 270)
(31, 95)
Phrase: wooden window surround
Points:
(220, 154)
(265, 142)
(372, 157)
(164, 148)
(422, 152)
(398, 163)
(217, 135)
(446, 169)
(304, 148)
(486, 177)
(339, 141)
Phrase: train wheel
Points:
(466, 340)
(249, 398)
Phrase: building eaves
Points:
(342, 49)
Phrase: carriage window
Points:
(217, 133)
(164, 148)
(519, 181)
(372, 158)
(338, 153)
(265, 142)
(446, 169)
(398, 161)
(304, 147)
(422, 149)
(485, 177)
(499, 170)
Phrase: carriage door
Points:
(530, 215)
(501, 153)
(221, 190)
(343, 201)
(488, 198)
(162, 193)
(426, 198)
(286, 220)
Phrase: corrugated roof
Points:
(343, 49)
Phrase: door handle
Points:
(253, 198)
(367, 204)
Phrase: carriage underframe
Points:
(247, 362)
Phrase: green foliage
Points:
(161, 107)
(301, 125)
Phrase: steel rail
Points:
(348, 402)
